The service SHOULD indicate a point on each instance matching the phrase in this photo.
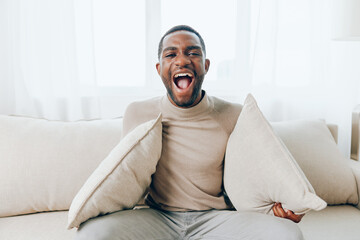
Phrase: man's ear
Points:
(158, 68)
(207, 65)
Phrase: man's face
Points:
(182, 68)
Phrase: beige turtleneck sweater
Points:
(189, 175)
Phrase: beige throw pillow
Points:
(315, 150)
(122, 178)
(259, 170)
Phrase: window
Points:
(119, 42)
(125, 37)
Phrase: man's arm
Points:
(285, 213)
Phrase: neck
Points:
(198, 99)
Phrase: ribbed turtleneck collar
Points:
(202, 107)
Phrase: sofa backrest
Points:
(45, 163)
(334, 131)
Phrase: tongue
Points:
(183, 83)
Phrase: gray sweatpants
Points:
(149, 224)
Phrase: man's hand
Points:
(285, 213)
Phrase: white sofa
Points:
(44, 163)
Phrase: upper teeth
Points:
(183, 75)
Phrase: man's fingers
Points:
(285, 213)
(293, 217)
(279, 211)
(275, 210)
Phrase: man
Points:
(186, 196)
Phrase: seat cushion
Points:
(332, 223)
(39, 226)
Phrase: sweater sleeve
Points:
(139, 112)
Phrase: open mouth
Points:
(183, 80)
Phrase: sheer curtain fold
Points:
(41, 77)
(14, 96)
(297, 70)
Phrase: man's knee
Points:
(285, 229)
(99, 228)
(130, 224)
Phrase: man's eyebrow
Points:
(169, 49)
(187, 48)
(193, 47)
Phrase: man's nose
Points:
(182, 60)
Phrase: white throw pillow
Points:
(259, 170)
(122, 178)
(315, 150)
(43, 163)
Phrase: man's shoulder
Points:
(139, 112)
(223, 106)
(143, 107)
(226, 113)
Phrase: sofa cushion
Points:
(332, 223)
(314, 148)
(45, 163)
(123, 177)
(37, 226)
(259, 170)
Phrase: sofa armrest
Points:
(334, 131)
(355, 167)
(355, 133)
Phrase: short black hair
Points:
(181, 28)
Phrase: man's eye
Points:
(194, 54)
(170, 55)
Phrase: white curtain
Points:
(285, 56)
(39, 59)
(297, 70)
